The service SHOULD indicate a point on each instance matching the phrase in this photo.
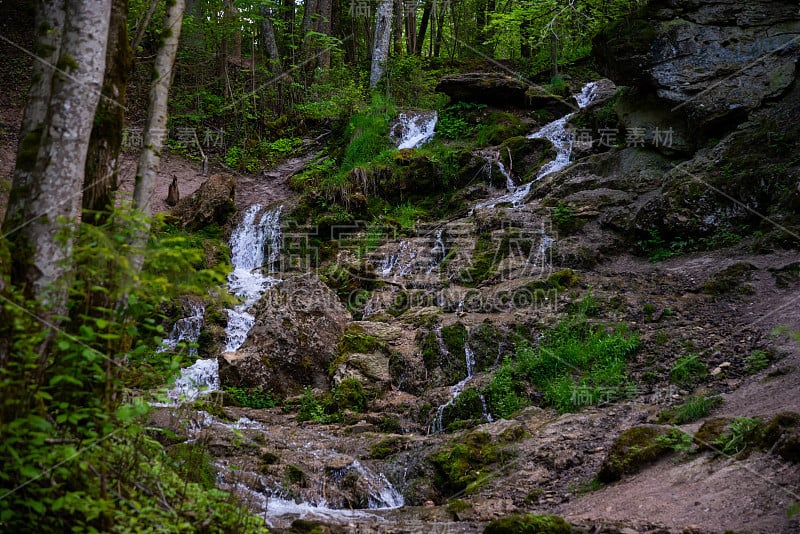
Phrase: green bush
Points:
(688, 370)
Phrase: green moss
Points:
(456, 506)
(633, 449)
(528, 524)
(688, 370)
(269, 458)
(498, 127)
(465, 412)
(29, 149)
(349, 395)
(710, 431)
(730, 280)
(485, 258)
(387, 447)
(465, 464)
(295, 475)
(66, 63)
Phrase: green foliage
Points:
(463, 465)
(460, 120)
(743, 432)
(694, 408)
(349, 395)
(688, 370)
(576, 364)
(76, 453)
(756, 361)
(677, 440)
(528, 524)
(368, 133)
(251, 397)
(387, 447)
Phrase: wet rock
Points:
(686, 51)
(212, 203)
(501, 91)
(298, 324)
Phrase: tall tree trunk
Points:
(411, 30)
(323, 26)
(309, 14)
(437, 46)
(102, 160)
(270, 42)
(287, 40)
(554, 52)
(155, 131)
(423, 25)
(397, 28)
(50, 25)
(234, 38)
(51, 193)
(380, 48)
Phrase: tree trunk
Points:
(50, 21)
(380, 48)
(323, 26)
(423, 25)
(411, 30)
(102, 160)
(155, 132)
(51, 193)
(270, 42)
(288, 31)
(554, 52)
(397, 28)
(437, 46)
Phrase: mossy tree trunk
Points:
(102, 161)
(380, 48)
(46, 196)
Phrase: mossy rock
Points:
(465, 412)
(524, 157)
(710, 431)
(499, 126)
(783, 432)
(633, 449)
(306, 526)
(464, 464)
(528, 524)
(387, 447)
(730, 280)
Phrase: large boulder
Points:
(501, 91)
(213, 202)
(293, 342)
(714, 60)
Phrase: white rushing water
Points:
(255, 247)
(415, 129)
(556, 132)
(437, 426)
(185, 329)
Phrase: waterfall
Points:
(438, 252)
(255, 243)
(556, 132)
(437, 427)
(414, 129)
(185, 329)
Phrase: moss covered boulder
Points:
(528, 524)
(634, 448)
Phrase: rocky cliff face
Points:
(713, 60)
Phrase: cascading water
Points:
(438, 252)
(437, 426)
(415, 129)
(562, 139)
(254, 244)
(186, 329)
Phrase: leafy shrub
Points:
(688, 370)
(251, 397)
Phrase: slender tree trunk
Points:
(155, 132)
(102, 160)
(437, 47)
(554, 52)
(287, 40)
(411, 31)
(234, 38)
(142, 25)
(397, 28)
(51, 193)
(423, 25)
(380, 48)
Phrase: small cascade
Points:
(255, 244)
(556, 132)
(492, 159)
(438, 252)
(399, 264)
(437, 426)
(485, 409)
(414, 129)
(382, 495)
(185, 329)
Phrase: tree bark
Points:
(155, 132)
(380, 48)
(423, 25)
(50, 23)
(411, 31)
(102, 160)
(270, 42)
(397, 28)
(323, 26)
(51, 193)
